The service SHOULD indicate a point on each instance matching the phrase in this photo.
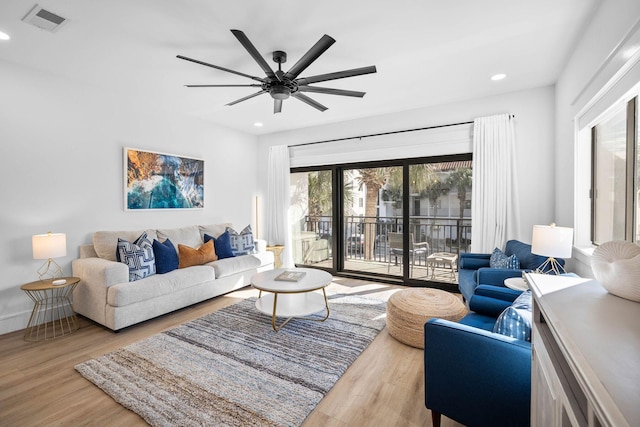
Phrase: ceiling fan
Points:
(281, 85)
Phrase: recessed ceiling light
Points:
(497, 77)
(630, 51)
(258, 124)
(4, 36)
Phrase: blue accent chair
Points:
(475, 376)
(474, 272)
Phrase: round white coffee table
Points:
(516, 283)
(292, 298)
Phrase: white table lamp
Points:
(49, 246)
(552, 242)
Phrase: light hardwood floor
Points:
(39, 386)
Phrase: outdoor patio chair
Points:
(396, 249)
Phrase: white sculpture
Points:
(616, 265)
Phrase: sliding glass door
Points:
(311, 216)
(406, 220)
(371, 210)
(439, 218)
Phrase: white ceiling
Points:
(427, 52)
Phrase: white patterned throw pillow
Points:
(138, 256)
(499, 259)
(242, 243)
(515, 320)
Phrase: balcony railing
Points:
(442, 234)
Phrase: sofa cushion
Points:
(265, 258)
(214, 230)
(222, 244)
(105, 243)
(242, 243)
(515, 320)
(471, 261)
(166, 256)
(188, 236)
(228, 266)
(150, 287)
(138, 256)
(528, 261)
(189, 256)
(467, 283)
(477, 320)
(500, 260)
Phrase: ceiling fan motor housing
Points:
(279, 91)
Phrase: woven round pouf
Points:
(408, 310)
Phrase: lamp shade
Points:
(50, 245)
(552, 241)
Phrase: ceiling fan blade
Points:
(337, 75)
(244, 40)
(219, 68)
(246, 97)
(318, 49)
(304, 98)
(330, 91)
(223, 85)
(277, 106)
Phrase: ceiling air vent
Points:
(44, 19)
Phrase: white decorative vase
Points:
(616, 265)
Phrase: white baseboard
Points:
(14, 322)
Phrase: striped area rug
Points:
(230, 368)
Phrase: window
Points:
(615, 209)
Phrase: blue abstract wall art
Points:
(162, 181)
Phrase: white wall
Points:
(534, 111)
(586, 73)
(61, 145)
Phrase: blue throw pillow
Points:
(499, 259)
(515, 320)
(241, 243)
(138, 256)
(222, 245)
(166, 256)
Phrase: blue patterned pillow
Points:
(222, 245)
(241, 243)
(498, 259)
(166, 256)
(138, 256)
(515, 320)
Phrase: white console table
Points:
(586, 354)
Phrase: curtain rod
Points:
(385, 133)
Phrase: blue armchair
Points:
(474, 376)
(474, 271)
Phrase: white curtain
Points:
(494, 203)
(277, 215)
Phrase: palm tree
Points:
(419, 177)
(372, 180)
(461, 179)
(433, 189)
(320, 194)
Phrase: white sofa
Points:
(106, 296)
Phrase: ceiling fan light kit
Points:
(281, 85)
